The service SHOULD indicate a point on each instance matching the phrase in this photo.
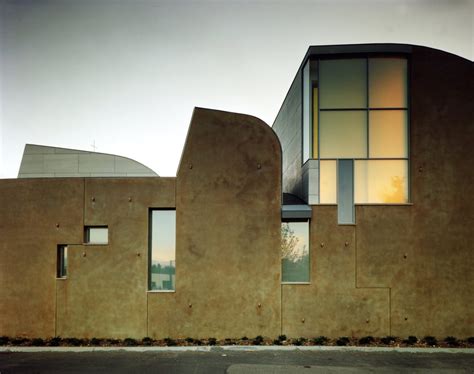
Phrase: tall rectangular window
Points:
(306, 112)
(61, 263)
(162, 258)
(295, 263)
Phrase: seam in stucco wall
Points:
(383, 288)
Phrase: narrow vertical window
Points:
(345, 192)
(61, 267)
(306, 112)
(162, 259)
(295, 252)
(315, 123)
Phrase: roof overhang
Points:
(299, 211)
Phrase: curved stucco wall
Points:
(48, 162)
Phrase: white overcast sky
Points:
(126, 74)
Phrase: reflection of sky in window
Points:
(163, 235)
(295, 252)
(98, 234)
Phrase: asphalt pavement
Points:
(221, 360)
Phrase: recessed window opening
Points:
(61, 264)
(294, 252)
(96, 235)
(162, 258)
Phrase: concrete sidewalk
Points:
(240, 348)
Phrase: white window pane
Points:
(295, 251)
(343, 134)
(388, 134)
(163, 250)
(381, 181)
(343, 83)
(98, 235)
(387, 83)
(327, 182)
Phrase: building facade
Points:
(351, 216)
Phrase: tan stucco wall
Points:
(404, 270)
(331, 305)
(227, 254)
(228, 221)
(407, 270)
(30, 212)
(105, 294)
(423, 252)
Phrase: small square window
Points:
(61, 267)
(96, 235)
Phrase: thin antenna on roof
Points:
(94, 147)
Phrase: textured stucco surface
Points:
(331, 304)
(423, 252)
(106, 290)
(407, 269)
(401, 270)
(30, 212)
(228, 200)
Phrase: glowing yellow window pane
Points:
(327, 182)
(387, 83)
(388, 134)
(315, 122)
(381, 181)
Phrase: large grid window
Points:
(360, 112)
(162, 257)
(295, 263)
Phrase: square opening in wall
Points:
(96, 235)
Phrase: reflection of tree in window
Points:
(294, 252)
(397, 193)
